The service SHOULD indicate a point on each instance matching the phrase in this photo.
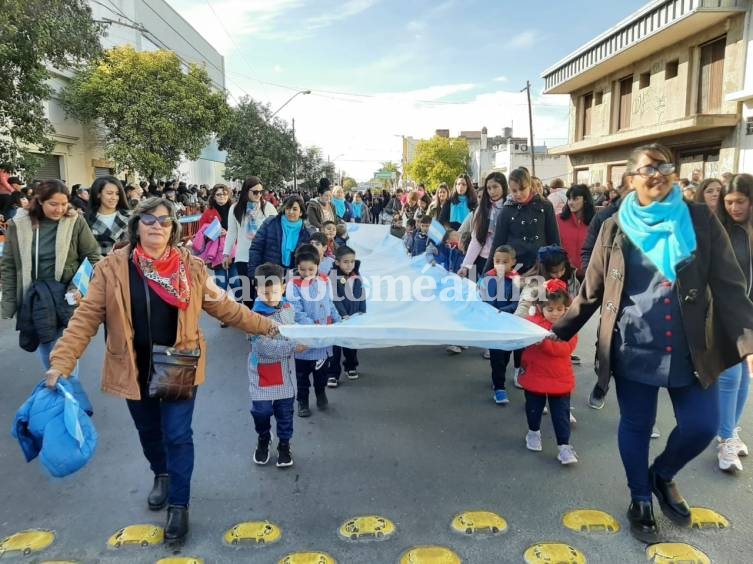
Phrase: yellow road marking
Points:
(553, 552)
(478, 522)
(675, 552)
(704, 518)
(307, 558)
(26, 542)
(137, 535)
(590, 521)
(430, 555)
(253, 532)
(367, 527)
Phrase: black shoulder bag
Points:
(172, 374)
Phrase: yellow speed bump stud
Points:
(703, 518)
(553, 552)
(185, 560)
(478, 522)
(253, 532)
(138, 535)
(27, 542)
(307, 558)
(669, 552)
(430, 555)
(367, 527)
(590, 521)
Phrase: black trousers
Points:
(499, 360)
(559, 412)
(351, 361)
(303, 371)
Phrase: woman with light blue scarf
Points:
(343, 208)
(657, 266)
(278, 237)
(462, 202)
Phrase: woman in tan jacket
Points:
(178, 290)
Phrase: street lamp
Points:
(295, 144)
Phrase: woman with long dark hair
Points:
(526, 222)
(46, 245)
(279, 237)
(484, 223)
(573, 223)
(245, 217)
(108, 213)
(709, 193)
(736, 215)
(461, 203)
(656, 268)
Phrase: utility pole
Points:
(530, 125)
(295, 161)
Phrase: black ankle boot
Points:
(158, 496)
(176, 528)
(672, 504)
(321, 399)
(642, 523)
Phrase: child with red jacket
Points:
(548, 374)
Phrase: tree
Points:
(312, 167)
(35, 36)
(349, 183)
(151, 109)
(258, 144)
(438, 160)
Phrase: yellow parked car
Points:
(142, 535)
(364, 527)
(479, 522)
(259, 532)
(27, 542)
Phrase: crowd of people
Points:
(552, 255)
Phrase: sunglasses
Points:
(149, 219)
(257, 191)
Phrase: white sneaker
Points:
(655, 434)
(533, 441)
(567, 454)
(729, 461)
(486, 354)
(742, 448)
(515, 376)
(545, 411)
(454, 349)
(573, 420)
(332, 383)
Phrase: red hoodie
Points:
(547, 368)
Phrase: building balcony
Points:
(656, 26)
(699, 122)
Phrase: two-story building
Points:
(662, 74)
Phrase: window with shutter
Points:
(585, 126)
(626, 103)
(711, 76)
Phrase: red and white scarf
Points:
(165, 275)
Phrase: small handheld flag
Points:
(436, 231)
(83, 276)
(213, 230)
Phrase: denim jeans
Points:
(499, 359)
(733, 392)
(167, 441)
(227, 278)
(559, 411)
(44, 351)
(282, 409)
(303, 371)
(697, 415)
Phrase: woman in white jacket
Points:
(245, 218)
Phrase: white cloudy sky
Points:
(379, 69)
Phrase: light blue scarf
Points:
(339, 206)
(357, 209)
(291, 230)
(663, 231)
(459, 211)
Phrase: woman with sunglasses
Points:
(45, 246)
(656, 267)
(244, 220)
(153, 292)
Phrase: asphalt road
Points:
(417, 440)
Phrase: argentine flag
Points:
(436, 231)
(213, 230)
(83, 276)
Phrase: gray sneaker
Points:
(596, 399)
(567, 455)
(533, 441)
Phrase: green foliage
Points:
(152, 111)
(258, 145)
(349, 183)
(312, 167)
(439, 159)
(36, 35)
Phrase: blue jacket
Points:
(416, 243)
(500, 298)
(313, 305)
(55, 425)
(451, 258)
(348, 293)
(267, 244)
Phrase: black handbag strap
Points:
(148, 327)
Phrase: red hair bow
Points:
(555, 285)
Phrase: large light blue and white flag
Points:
(213, 230)
(83, 276)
